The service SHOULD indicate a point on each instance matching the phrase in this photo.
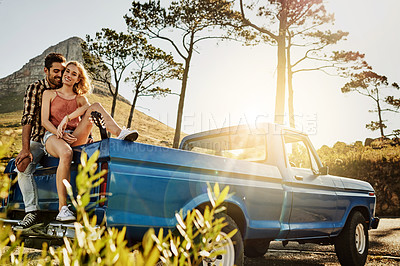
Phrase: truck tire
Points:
(352, 244)
(234, 248)
(255, 248)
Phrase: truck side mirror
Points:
(324, 170)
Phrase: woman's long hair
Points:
(83, 86)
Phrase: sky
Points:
(229, 83)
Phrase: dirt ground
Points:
(384, 250)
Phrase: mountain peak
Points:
(12, 87)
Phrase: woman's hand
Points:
(61, 127)
(69, 138)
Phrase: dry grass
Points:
(151, 130)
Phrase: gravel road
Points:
(384, 250)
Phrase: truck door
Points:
(314, 197)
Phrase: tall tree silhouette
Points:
(107, 56)
(273, 30)
(289, 24)
(308, 37)
(370, 84)
(183, 24)
(151, 67)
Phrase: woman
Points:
(61, 112)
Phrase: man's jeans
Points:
(26, 182)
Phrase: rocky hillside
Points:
(12, 87)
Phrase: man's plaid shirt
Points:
(33, 107)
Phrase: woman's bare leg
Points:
(60, 149)
(85, 125)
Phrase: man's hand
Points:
(69, 138)
(22, 155)
(24, 158)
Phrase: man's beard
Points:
(55, 82)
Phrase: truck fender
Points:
(235, 208)
(362, 209)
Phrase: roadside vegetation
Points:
(197, 235)
(377, 164)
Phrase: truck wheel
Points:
(234, 246)
(255, 248)
(352, 244)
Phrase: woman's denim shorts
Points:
(47, 135)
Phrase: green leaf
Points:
(216, 190)
(222, 196)
(121, 235)
(217, 253)
(232, 233)
(147, 242)
(85, 199)
(153, 258)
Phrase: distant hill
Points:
(12, 87)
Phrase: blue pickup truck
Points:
(281, 190)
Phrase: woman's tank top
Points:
(61, 107)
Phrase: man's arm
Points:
(26, 121)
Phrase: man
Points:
(32, 134)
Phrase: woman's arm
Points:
(83, 105)
(45, 114)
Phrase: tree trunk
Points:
(177, 136)
(281, 79)
(380, 118)
(132, 109)
(290, 88)
(291, 99)
(116, 80)
(114, 102)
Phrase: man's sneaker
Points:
(129, 135)
(30, 221)
(65, 215)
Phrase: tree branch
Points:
(184, 41)
(307, 29)
(157, 35)
(248, 23)
(313, 69)
(306, 55)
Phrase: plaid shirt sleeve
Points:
(28, 116)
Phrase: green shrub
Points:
(9, 241)
(380, 167)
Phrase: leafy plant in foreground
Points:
(198, 236)
(7, 236)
